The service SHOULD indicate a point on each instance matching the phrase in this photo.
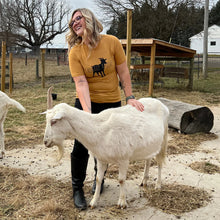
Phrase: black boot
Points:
(94, 182)
(78, 171)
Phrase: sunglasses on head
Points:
(77, 19)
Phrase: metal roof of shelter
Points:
(163, 48)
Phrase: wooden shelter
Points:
(160, 50)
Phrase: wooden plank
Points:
(175, 72)
(140, 42)
(146, 66)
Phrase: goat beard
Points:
(61, 152)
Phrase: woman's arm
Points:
(82, 89)
(125, 79)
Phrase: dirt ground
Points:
(38, 160)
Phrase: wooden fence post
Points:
(10, 73)
(3, 66)
(190, 85)
(37, 69)
(43, 67)
(25, 59)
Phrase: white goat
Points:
(5, 103)
(116, 135)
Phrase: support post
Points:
(205, 40)
(152, 65)
(3, 66)
(129, 31)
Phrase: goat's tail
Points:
(160, 158)
(17, 105)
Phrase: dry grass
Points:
(34, 197)
(181, 143)
(177, 199)
(205, 167)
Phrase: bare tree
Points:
(5, 24)
(34, 22)
(153, 18)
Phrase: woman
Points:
(96, 61)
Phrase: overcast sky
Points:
(74, 4)
(90, 4)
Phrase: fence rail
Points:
(27, 67)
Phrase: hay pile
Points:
(205, 167)
(31, 197)
(177, 199)
(181, 143)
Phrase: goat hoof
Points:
(121, 206)
(143, 185)
(158, 187)
(92, 207)
(2, 155)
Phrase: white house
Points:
(196, 41)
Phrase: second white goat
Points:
(5, 103)
(116, 135)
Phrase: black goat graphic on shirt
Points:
(99, 69)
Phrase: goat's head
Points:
(56, 125)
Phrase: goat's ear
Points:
(43, 113)
(56, 117)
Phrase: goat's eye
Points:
(52, 122)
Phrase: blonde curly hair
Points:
(92, 30)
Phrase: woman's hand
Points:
(135, 103)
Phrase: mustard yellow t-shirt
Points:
(99, 67)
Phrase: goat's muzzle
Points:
(48, 144)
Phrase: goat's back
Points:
(129, 133)
(6, 101)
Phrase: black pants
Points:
(79, 151)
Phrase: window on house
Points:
(213, 43)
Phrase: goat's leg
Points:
(2, 143)
(123, 167)
(101, 168)
(146, 173)
(158, 184)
